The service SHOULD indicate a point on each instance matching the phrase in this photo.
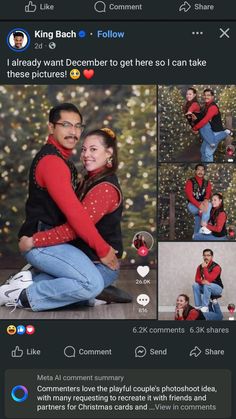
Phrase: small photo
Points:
(18, 40)
(196, 123)
(196, 202)
(196, 281)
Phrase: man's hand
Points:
(194, 131)
(203, 223)
(204, 205)
(25, 244)
(204, 264)
(111, 260)
(205, 282)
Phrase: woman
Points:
(192, 107)
(215, 228)
(102, 198)
(184, 311)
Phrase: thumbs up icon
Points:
(17, 352)
(30, 7)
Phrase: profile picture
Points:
(18, 40)
(143, 239)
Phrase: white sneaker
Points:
(10, 291)
(204, 309)
(214, 301)
(204, 230)
(229, 132)
(21, 275)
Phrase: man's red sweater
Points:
(189, 191)
(208, 276)
(211, 111)
(54, 175)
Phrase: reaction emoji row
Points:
(20, 329)
(88, 73)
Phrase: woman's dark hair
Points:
(186, 297)
(109, 140)
(193, 90)
(220, 196)
(186, 309)
(189, 102)
(55, 113)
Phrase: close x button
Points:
(224, 33)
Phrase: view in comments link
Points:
(118, 394)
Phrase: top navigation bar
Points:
(118, 10)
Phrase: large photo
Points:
(78, 184)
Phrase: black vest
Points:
(213, 220)
(108, 227)
(190, 308)
(199, 192)
(218, 280)
(216, 122)
(40, 207)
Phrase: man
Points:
(198, 192)
(52, 201)
(18, 39)
(208, 282)
(210, 127)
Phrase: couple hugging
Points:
(61, 210)
(206, 121)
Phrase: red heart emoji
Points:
(88, 74)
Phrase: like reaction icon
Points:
(17, 352)
(30, 7)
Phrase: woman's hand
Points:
(25, 244)
(111, 260)
(203, 223)
(179, 312)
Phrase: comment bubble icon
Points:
(143, 299)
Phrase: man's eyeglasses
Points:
(68, 125)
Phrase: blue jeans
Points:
(197, 219)
(208, 237)
(214, 312)
(210, 142)
(202, 293)
(67, 277)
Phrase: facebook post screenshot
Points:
(117, 209)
